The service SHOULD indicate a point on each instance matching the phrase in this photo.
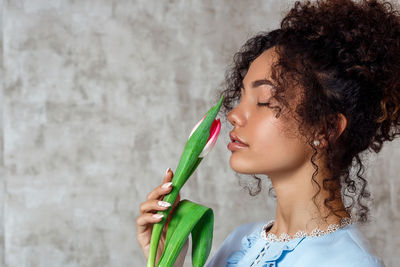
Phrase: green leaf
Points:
(189, 217)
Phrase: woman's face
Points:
(274, 147)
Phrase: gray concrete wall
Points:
(2, 180)
(97, 100)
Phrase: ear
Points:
(340, 126)
(342, 123)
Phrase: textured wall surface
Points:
(98, 97)
(2, 180)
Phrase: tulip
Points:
(199, 143)
(214, 132)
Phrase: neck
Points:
(295, 208)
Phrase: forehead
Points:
(261, 66)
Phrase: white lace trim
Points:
(315, 232)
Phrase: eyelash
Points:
(264, 104)
(267, 104)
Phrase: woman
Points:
(305, 100)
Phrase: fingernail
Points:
(158, 216)
(166, 172)
(166, 185)
(164, 204)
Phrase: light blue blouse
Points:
(345, 247)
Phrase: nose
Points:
(235, 117)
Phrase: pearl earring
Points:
(316, 142)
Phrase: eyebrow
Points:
(258, 83)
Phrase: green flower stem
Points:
(187, 164)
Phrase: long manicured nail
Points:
(166, 172)
(166, 185)
(158, 216)
(164, 204)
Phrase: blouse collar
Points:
(314, 233)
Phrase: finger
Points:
(153, 205)
(159, 192)
(167, 180)
(168, 176)
(162, 189)
(145, 220)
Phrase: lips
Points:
(236, 138)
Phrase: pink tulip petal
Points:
(196, 126)
(214, 132)
(215, 128)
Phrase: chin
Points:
(241, 166)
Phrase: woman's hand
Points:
(148, 216)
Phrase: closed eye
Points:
(268, 104)
(264, 104)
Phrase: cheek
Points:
(274, 145)
(267, 137)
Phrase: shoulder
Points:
(242, 231)
(345, 247)
(233, 242)
(246, 229)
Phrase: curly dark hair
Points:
(347, 57)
